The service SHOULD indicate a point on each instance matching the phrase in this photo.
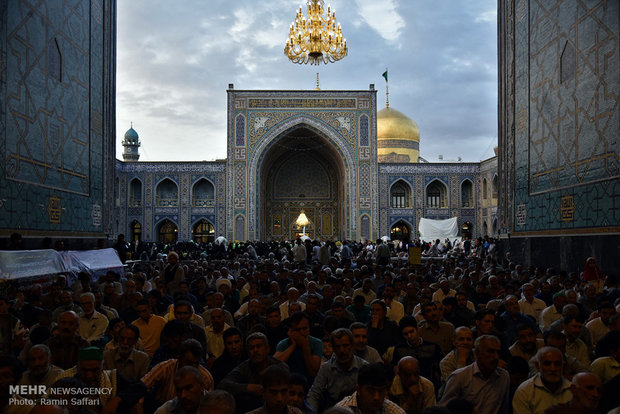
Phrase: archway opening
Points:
(135, 231)
(167, 232)
(301, 171)
(467, 230)
(400, 230)
(203, 232)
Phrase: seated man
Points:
(244, 382)
(337, 377)
(91, 324)
(234, 354)
(161, 378)
(217, 402)
(66, 344)
(462, 354)
(40, 368)
(482, 383)
(527, 344)
(275, 385)
(546, 388)
(130, 363)
(371, 392)
(428, 354)
(412, 392)
(297, 391)
(190, 389)
(122, 395)
(360, 344)
(300, 351)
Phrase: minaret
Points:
(131, 144)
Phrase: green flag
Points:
(385, 75)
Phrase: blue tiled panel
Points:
(52, 132)
(567, 149)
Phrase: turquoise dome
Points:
(131, 135)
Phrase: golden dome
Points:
(398, 137)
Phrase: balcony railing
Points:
(167, 202)
(203, 203)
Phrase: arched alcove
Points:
(436, 195)
(203, 193)
(167, 194)
(400, 194)
(302, 171)
(467, 194)
(167, 232)
(135, 193)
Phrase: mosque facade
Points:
(354, 171)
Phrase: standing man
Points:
(481, 383)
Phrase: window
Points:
(467, 194)
(436, 195)
(399, 195)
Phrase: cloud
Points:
(382, 17)
(175, 63)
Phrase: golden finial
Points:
(317, 82)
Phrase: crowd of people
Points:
(311, 327)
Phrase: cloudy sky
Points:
(176, 59)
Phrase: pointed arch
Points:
(167, 231)
(484, 189)
(467, 194)
(167, 193)
(401, 230)
(436, 194)
(135, 231)
(365, 227)
(135, 192)
(400, 194)
(495, 187)
(203, 231)
(203, 193)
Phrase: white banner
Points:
(438, 229)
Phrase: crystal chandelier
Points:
(317, 39)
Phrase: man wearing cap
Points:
(115, 390)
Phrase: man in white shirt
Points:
(529, 305)
(91, 324)
(553, 312)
